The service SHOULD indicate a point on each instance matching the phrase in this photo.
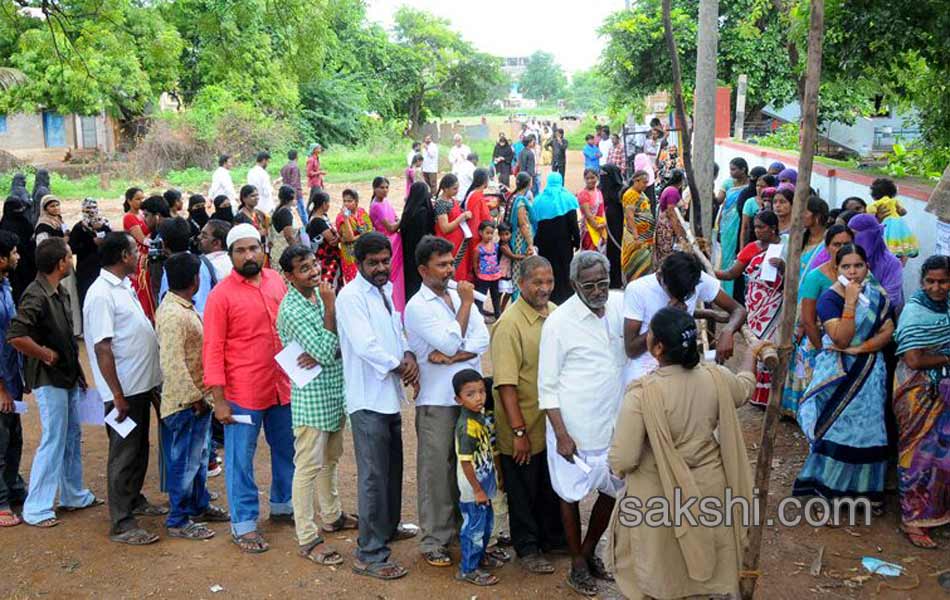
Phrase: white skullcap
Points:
(242, 231)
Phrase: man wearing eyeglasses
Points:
(580, 384)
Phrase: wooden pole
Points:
(695, 204)
(704, 113)
(739, 129)
(768, 354)
(763, 466)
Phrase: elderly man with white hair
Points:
(580, 384)
(250, 392)
(458, 154)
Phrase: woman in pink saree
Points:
(385, 221)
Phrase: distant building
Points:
(24, 133)
(514, 66)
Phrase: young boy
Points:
(185, 409)
(477, 477)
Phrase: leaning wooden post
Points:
(695, 203)
(763, 466)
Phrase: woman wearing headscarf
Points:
(922, 405)
(886, 268)
(678, 434)
(558, 234)
(18, 189)
(222, 209)
(84, 240)
(50, 223)
(611, 186)
(197, 213)
(418, 220)
(15, 220)
(788, 176)
(503, 157)
(40, 188)
(669, 229)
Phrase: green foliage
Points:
(917, 161)
(543, 78)
(442, 70)
(783, 138)
(89, 56)
(586, 92)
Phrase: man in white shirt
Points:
(458, 153)
(430, 162)
(259, 178)
(680, 282)
(213, 243)
(580, 370)
(606, 145)
(465, 171)
(221, 183)
(123, 353)
(446, 338)
(376, 363)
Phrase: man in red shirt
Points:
(314, 172)
(240, 342)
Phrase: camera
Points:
(156, 250)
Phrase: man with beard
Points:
(446, 338)
(240, 343)
(580, 370)
(376, 364)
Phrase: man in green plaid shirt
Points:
(318, 409)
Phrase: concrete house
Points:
(28, 134)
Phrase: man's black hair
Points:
(114, 245)
(181, 269)
(291, 253)
(371, 243)
(431, 245)
(49, 252)
(176, 233)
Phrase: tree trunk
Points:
(704, 123)
(695, 203)
(763, 466)
(415, 115)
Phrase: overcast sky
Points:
(565, 28)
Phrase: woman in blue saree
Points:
(730, 219)
(842, 410)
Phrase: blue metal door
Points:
(54, 130)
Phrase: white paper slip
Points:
(768, 272)
(287, 359)
(90, 408)
(123, 428)
(453, 285)
(465, 229)
(583, 466)
(20, 408)
(244, 419)
(710, 355)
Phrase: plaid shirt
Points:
(320, 404)
(616, 157)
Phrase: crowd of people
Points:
(584, 303)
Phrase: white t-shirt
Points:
(643, 298)
(430, 158)
(605, 147)
(458, 154)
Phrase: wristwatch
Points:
(519, 432)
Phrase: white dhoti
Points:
(588, 472)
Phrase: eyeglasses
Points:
(602, 285)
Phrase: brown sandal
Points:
(346, 521)
(46, 523)
(328, 558)
(251, 542)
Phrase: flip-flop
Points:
(920, 540)
(537, 564)
(598, 569)
(9, 519)
(385, 570)
(251, 542)
(346, 521)
(46, 523)
(498, 554)
(95, 502)
(477, 577)
(581, 582)
(191, 531)
(438, 558)
(149, 510)
(135, 537)
(214, 514)
(328, 558)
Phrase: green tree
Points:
(442, 71)
(88, 56)
(587, 91)
(543, 78)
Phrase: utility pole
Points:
(763, 466)
(740, 106)
(704, 123)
